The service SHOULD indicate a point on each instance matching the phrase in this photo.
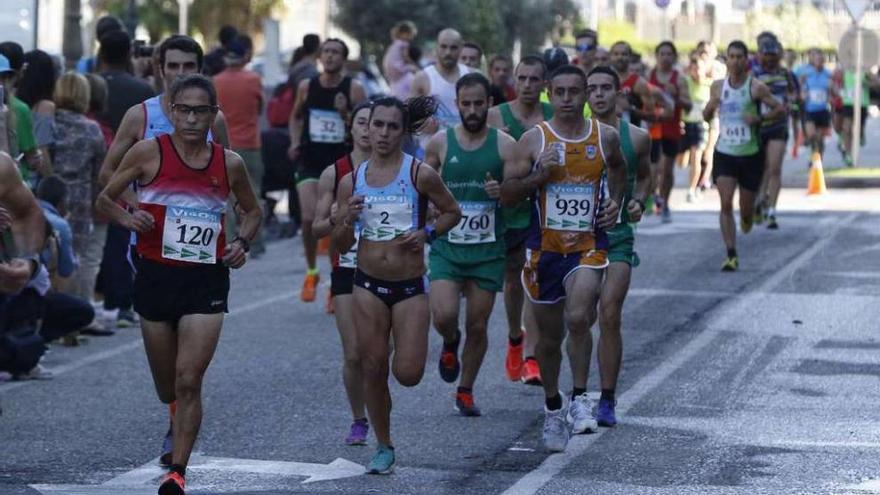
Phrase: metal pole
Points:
(856, 140)
(183, 16)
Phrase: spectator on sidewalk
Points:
(79, 152)
(215, 61)
(397, 65)
(240, 95)
(35, 90)
(124, 91)
(24, 142)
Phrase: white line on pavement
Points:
(578, 445)
(137, 344)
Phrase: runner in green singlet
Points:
(469, 260)
(737, 157)
(515, 118)
(603, 89)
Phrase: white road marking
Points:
(143, 479)
(578, 445)
(870, 486)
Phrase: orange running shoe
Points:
(328, 307)
(310, 287)
(531, 374)
(324, 245)
(514, 361)
(172, 484)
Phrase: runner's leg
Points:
(374, 320)
(550, 320)
(308, 198)
(352, 373)
(445, 302)
(775, 156)
(726, 189)
(197, 337)
(513, 291)
(583, 285)
(479, 308)
(410, 321)
(160, 344)
(614, 290)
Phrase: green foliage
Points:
(159, 17)
(494, 24)
(787, 21)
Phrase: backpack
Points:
(280, 106)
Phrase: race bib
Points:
(350, 259)
(477, 224)
(386, 217)
(326, 126)
(818, 96)
(191, 235)
(735, 134)
(570, 207)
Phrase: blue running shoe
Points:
(605, 413)
(167, 448)
(383, 461)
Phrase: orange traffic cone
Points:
(816, 183)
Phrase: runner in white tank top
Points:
(439, 81)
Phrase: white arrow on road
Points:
(142, 480)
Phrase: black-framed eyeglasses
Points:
(197, 110)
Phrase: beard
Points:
(475, 123)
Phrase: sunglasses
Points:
(585, 47)
(197, 110)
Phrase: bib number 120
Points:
(198, 236)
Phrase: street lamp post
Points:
(72, 48)
(182, 16)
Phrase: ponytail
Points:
(416, 111)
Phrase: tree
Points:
(159, 17)
(494, 24)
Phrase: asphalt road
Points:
(760, 381)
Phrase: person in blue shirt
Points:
(816, 92)
(52, 196)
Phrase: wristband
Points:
(431, 232)
(34, 260)
(244, 243)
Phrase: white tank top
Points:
(444, 92)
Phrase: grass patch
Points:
(854, 173)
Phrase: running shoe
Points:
(358, 433)
(383, 461)
(126, 319)
(692, 196)
(745, 224)
(531, 374)
(555, 432)
(514, 361)
(172, 484)
(771, 223)
(167, 449)
(464, 404)
(758, 216)
(731, 264)
(605, 413)
(649, 205)
(449, 365)
(328, 306)
(665, 214)
(310, 288)
(580, 415)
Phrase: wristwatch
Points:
(35, 264)
(244, 243)
(431, 232)
(640, 203)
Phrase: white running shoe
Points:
(580, 415)
(555, 432)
